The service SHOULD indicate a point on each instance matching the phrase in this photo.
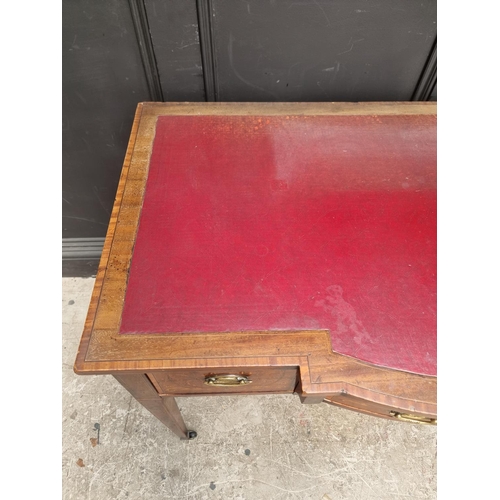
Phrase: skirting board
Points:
(80, 256)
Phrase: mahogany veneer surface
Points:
(292, 223)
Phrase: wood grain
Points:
(164, 409)
(385, 410)
(292, 108)
(101, 271)
(192, 380)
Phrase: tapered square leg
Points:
(164, 409)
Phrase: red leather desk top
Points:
(292, 223)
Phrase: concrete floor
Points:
(251, 447)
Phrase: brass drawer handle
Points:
(415, 419)
(224, 380)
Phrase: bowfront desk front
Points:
(272, 248)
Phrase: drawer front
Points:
(242, 380)
(379, 410)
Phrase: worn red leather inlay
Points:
(291, 223)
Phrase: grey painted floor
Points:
(251, 447)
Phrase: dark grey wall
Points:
(342, 50)
(117, 53)
(174, 33)
(103, 80)
(433, 96)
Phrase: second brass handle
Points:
(225, 380)
(415, 419)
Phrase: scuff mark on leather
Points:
(344, 314)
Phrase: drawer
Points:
(380, 410)
(242, 380)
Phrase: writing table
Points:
(272, 248)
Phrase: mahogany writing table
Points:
(272, 248)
